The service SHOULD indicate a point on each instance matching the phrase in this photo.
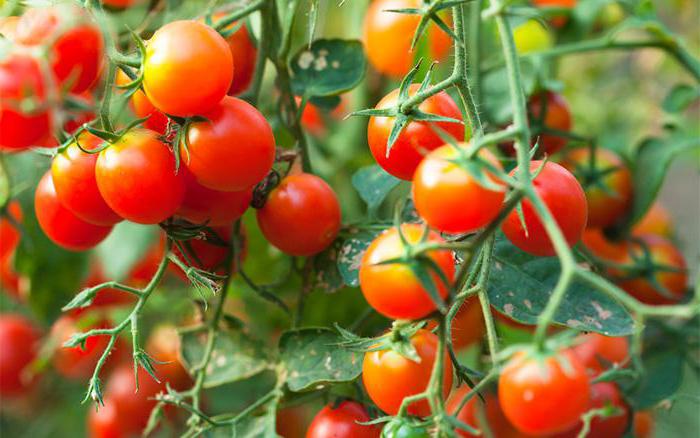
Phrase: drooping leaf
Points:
(680, 97)
(663, 374)
(328, 67)
(350, 255)
(373, 185)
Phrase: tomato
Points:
(393, 289)
(120, 4)
(643, 424)
(607, 250)
(211, 206)
(210, 252)
(558, 20)
(607, 184)
(106, 423)
(468, 324)
(60, 225)
(341, 421)
(19, 342)
(76, 47)
(657, 220)
(552, 113)
(314, 118)
(532, 36)
(449, 197)
(532, 388)
(497, 422)
(598, 352)
(388, 35)
(389, 377)
(10, 234)
(73, 173)
(402, 427)
(564, 198)
(10, 282)
(136, 177)
(244, 56)
(416, 138)
(232, 150)
(142, 107)
(188, 68)
(164, 346)
(604, 394)
(301, 216)
(21, 80)
(293, 421)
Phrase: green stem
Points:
(236, 15)
(460, 68)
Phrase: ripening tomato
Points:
(301, 216)
(21, 82)
(643, 424)
(405, 427)
(532, 36)
(604, 395)
(531, 388)
(164, 346)
(416, 139)
(564, 198)
(60, 225)
(558, 20)
(244, 54)
(188, 68)
(136, 177)
(390, 377)
(393, 289)
(387, 36)
(232, 150)
(73, 173)
(342, 421)
(605, 249)
(657, 220)
(597, 352)
(76, 48)
(19, 342)
(142, 107)
(497, 422)
(451, 198)
(211, 206)
(607, 183)
(9, 234)
(550, 110)
(106, 422)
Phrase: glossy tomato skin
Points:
(9, 234)
(643, 424)
(178, 53)
(393, 289)
(60, 225)
(604, 394)
(211, 206)
(608, 203)
(233, 149)
(244, 55)
(73, 173)
(341, 421)
(497, 422)
(142, 107)
(301, 216)
(401, 427)
(136, 177)
(388, 35)
(552, 111)
(531, 389)
(449, 198)
(416, 138)
(19, 342)
(566, 201)
(389, 377)
(657, 220)
(468, 325)
(21, 77)
(598, 352)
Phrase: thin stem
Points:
(236, 15)
(460, 68)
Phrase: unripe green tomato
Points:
(532, 36)
(611, 15)
(404, 428)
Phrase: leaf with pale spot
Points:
(328, 67)
(351, 253)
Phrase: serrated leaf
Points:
(680, 97)
(312, 356)
(373, 185)
(328, 67)
(350, 255)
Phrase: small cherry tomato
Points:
(73, 173)
(232, 150)
(604, 395)
(607, 250)
(293, 421)
(244, 55)
(19, 341)
(387, 36)
(558, 20)
(164, 346)
(531, 388)
(449, 197)
(136, 177)
(550, 111)
(188, 68)
(301, 216)
(564, 198)
(643, 424)
(120, 4)
(657, 220)
(106, 422)
(393, 289)
(497, 422)
(60, 225)
(467, 325)
(211, 206)
(417, 138)
(532, 36)
(10, 282)
(598, 352)
(607, 182)
(342, 421)
(22, 83)
(8, 231)
(403, 427)
(389, 377)
(210, 252)
(142, 107)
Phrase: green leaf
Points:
(495, 84)
(124, 248)
(350, 255)
(312, 356)
(662, 377)
(235, 356)
(328, 67)
(373, 185)
(520, 286)
(680, 97)
(328, 277)
(4, 186)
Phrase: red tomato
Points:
(233, 149)
(106, 423)
(497, 422)
(389, 377)
(342, 421)
(136, 177)
(657, 220)
(21, 78)
(416, 139)
(393, 289)
(314, 118)
(607, 184)
(597, 352)
(209, 253)
(292, 422)
(601, 247)
(164, 346)
(449, 198)
(244, 56)
(60, 225)
(557, 20)
(19, 340)
(120, 4)
(76, 48)
(604, 394)
(188, 68)
(9, 234)
(532, 388)
(643, 424)
(211, 206)
(10, 282)
(468, 324)
(566, 201)
(301, 216)
(557, 116)
(73, 173)
(142, 107)
(388, 35)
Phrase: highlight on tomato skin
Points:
(342, 420)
